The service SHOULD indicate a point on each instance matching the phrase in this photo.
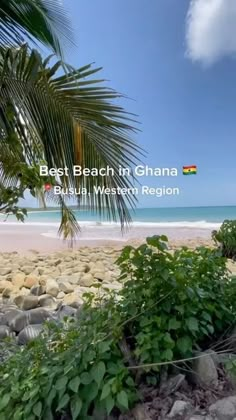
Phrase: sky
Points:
(176, 61)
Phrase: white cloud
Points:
(211, 30)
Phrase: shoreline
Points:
(23, 238)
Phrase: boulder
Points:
(52, 288)
(65, 286)
(9, 316)
(72, 299)
(27, 269)
(86, 280)
(33, 316)
(4, 271)
(47, 301)
(37, 290)
(29, 333)
(204, 370)
(29, 302)
(224, 409)
(5, 284)
(18, 280)
(66, 311)
(30, 281)
(179, 410)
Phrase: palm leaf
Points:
(68, 120)
(38, 20)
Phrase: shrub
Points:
(226, 238)
(170, 304)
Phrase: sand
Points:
(23, 238)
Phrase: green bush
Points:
(170, 304)
(226, 238)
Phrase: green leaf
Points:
(122, 399)
(75, 407)
(98, 372)
(192, 324)
(105, 391)
(37, 409)
(174, 324)
(63, 402)
(4, 401)
(85, 378)
(61, 383)
(109, 403)
(74, 384)
(167, 355)
(184, 344)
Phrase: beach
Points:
(23, 238)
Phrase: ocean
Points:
(181, 222)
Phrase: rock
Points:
(33, 316)
(47, 300)
(27, 269)
(29, 302)
(86, 280)
(66, 311)
(37, 290)
(29, 333)
(4, 271)
(52, 288)
(7, 292)
(4, 332)
(204, 371)
(72, 299)
(30, 281)
(5, 284)
(172, 384)
(65, 287)
(99, 275)
(198, 418)
(179, 410)
(224, 409)
(60, 295)
(139, 412)
(18, 280)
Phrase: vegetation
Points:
(225, 238)
(42, 20)
(170, 305)
(64, 120)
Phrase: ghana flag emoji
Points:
(190, 170)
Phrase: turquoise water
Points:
(197, 215)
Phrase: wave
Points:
(199, 224)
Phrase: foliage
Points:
(170, 304)
(65, 120)
(41, 20)
(226, 238)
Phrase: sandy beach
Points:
(23, 238)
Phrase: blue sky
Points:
(186, 103)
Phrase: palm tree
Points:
(36, 20)
(64, 117)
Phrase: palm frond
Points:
(68, 120)
(38, 20)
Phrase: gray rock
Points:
(224, 409)
(29, 333)
(4, 332)
(47, 301)
(179, 410)
(65, 286)
(38, 290)
(172, 384)
(29, 302)
(34, 316)
(66, 311)
(27, 269)
(9, 316)
(204, 371)
(139, 412)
